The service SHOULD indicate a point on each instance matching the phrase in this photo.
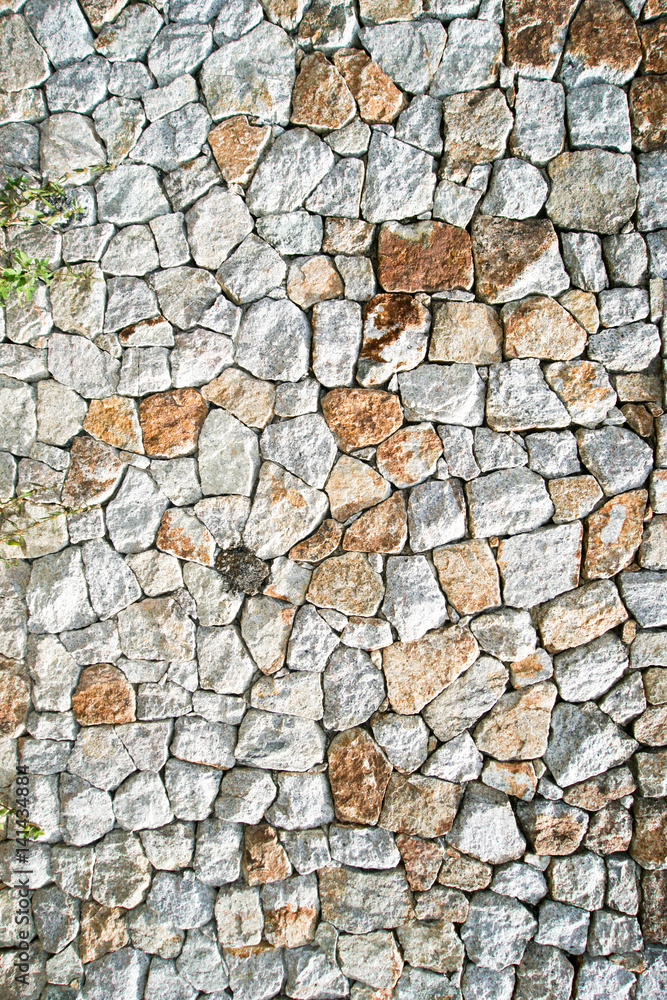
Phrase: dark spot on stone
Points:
(241, 570)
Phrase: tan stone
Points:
(603, 41)
(441, 903)
(410, 455)
(658, 491)
(315, 279)
(538, 327)
(424, 257)
(94, 472)
(532, 669)
(381, 529)
(610, 830)
(14, 703)
(321, 99)
(516, 779)
(536, 32)
(319, 546)
(477, 125)
(115, 421)
(505, 249)
(552, 827)
(580, 616)
(290, 921)
(573, 497)
(418, 671)
(353, 486)
(361, 417)
(651, 727)
(638, 387)
(379, 11)
(250, 399)
(422, 860)
(378, 98)
(264, 857)
(648, 112)
(585, 389)
(468, 575)
(653, 911)
(349, 236)
(183, 535)
(100, 12)
(584, 308)
(434, 945)
(103, 697)
(460, 871)
(347, 583)
(653, 39)
(171, 422)
(237, 147)
(596, 793)
(395, 337)
(638, 418)
(467, 332)
(654, 8)
(103, 930)
(517, 727)
(358, 774)
(419, 805)
(613, 535)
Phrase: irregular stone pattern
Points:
(334, 658)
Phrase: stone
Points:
(221, 433)
(373, 959)
(336, 341)
(452, 395)
(361, 417)
(358, 774)
(353, 689)
(517, 727)
(395, 337)
(273, 741)
(238, 916)
(477, 124)
(133, 516)
(171, 422)
(284, 326)
(595, 33)
(584, 742)
(539, 327)
(82, 366)
(613, 535)
(586, 672)
(517, 190)
(103, 696)
(419, 805)
(582, 253)
(579, 879)
(507, 502)
(381, 529)
(553, 828)
(103, 931)
(156, 628)
(68, 143)
(535, 567)
(584, 388)
(56, 596)
(264, 859)
(485, 826)
(111, 583)
(644, 597)
(419, 124)
(304, 446)
(417, 671)
(647, 102)
(598, 116)
(362, 902)
(245, 795)
(467, 698)
(618, 459)
(184, 293)
(114, 420)
(86, 813)
(497, 930)
(321, 100)
(399, 180)
(428, 256)
(534, 46)
(468, 576)
(575, 203)
(514, 258)
(283, 512)
(130, 194)
(291, 910)
(408, 53)
(216, 224)
(467, 332)
(597, 977)
(265, 627)
(409, 456)
(237, 147)
(471, 58)
(546, 969)
(563, 927)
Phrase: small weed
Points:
(28, 830)
(15, 521)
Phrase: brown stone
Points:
(290, 915)
(114, 420)
(467, 332)
(638, 418)
(649, 841)
(477, 124)
(418, 671)
(381, 529)
(379, 100)
(264, 857)
(553, 827)
(596, 793)
(651, 727)
(415, 804)
(101, 12)
(580, 616)
(94, 473)
(321, 99)
(142, 333)
(652, 773)
(395, 337)
(536, 31)
(613, 535)
(103, 930)
(103, 697)
(584, 308)
(353, 486)
(468, 575)
(312, 280)
(654, 8)
(171, 422)
(250, 399)
(653, 38)
(237, 147)
(653, 909)
(638, 387)
(532, 669)
(505, 249)
(183, 535)
(573, 497)
(424, 257)
(610, 830)
(410, 455)
(517, 727)
(585, 389)
(347, 583)
(422, 860)
(358, 774)
(321, 545)
(14, 703)
(515, 779)
(539, 327)
(648, 112)
(603, 43)
(349, 236)
(460, 871)
(361, 417)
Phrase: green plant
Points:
(24, 202)
(15, 521)
(28, 830)
(20, 273)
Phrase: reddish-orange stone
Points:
(358, 774)
(321, 99)
(425, 257)
(378, 98)
(171, 422)
(381, 529)
(103, 697)
(237, 147)
(361, 417)
(648, 112)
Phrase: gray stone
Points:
(297, 694)
(457, 760)
(169, 233)
(485, 828)
(56, 917)
(645, 594)
(626, 700)
(203, 742)
(654, 979)
(170, 847)
(358, 277)
(481, 984)
(455, 204)
(178, 49)
(252, 271)
(304, 446)
(199, 356)
(471, 58)
(24, 61)
(497, 930)
(130, 193)
(467, 698)
(543, 970)
(224, 434)
(598, 116)
(224, 663)
(111, 583)
(273, 741)
(625, 348)
(537, 566)
(257, 974)
(353, 689)
(147, 743)
(191, 788)
(517, 190)
(507, 634)
(134, 515)
(413, 601)
(311, 641)
(72, 869)
(507, 502)
(339, 192)
(452, 394)
(294, 399)
(626, 258)
(85, 811)
(163, 100)
(619, 306)
(360, 902)
(593, 190)
(278, 519)
(563, 926)
(598, 978)
(130, 79)
(618, 459)
(155, 629)
(420, 984)
(585, 673)
(239, 917)
(62, 29)
(579, 880)
(178, 480)
(57, 597)
(18, 423)
(274, 341)
(121, 876)
(400, 180)
(141, 802)
(652, 205)
(337, 328)
(539, 129)
(184, 293)
(520, 881)
(308, 850)
(131, 251)
(292, 233)
(144, 370)
(162, 701)
(408, 53)
(584, 742)
(129, 301)
(130, 34)
(303, 801)
(175, 139)
(82, 366)
(79, 87)
(404, 739)
(553, 455)
(217, 858)
(519, 399)
(293, 167)
(181, 899)
(582, 253)
(419, 124)
(100, 758)
(235, 19)
(245, 795)
(121, 974)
